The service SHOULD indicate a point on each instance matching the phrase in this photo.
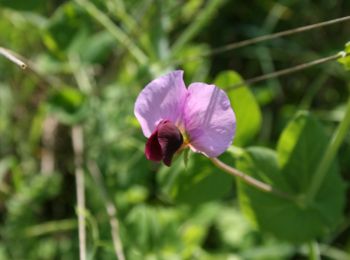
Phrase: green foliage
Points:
(23, 5)
(243, 103)
(193, 183)
(290, 169)
(203, 17)
(23, 207)
(88, 60)
(345, 60)
(68, 104)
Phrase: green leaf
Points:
(152, 228)
(67, 20)
(26, 5)
(345, 60)
(197, 182)
(68, 104)
(203, 17)
(300, 148)
(244, 104)
(97, 48)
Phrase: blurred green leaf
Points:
(235, 231)
(158, 36)
(97, 48)
(68, 104)
(300, 148)
(244, 104)
(203, 17)
(190, 8)
(67, 23)
(197, 69)
(26, 5)
(196, 183)
(153, 229)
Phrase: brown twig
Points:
(250, 180)
(263, 38)
(287, 71)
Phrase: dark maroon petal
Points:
(170, 140)
(153, 150)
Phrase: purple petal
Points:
(161, 99)
(209, 119)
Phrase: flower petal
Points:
(163, 143)
(153, 149)
(170, 140)
(209, 119)
(161, 99)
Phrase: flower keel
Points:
(164, 142)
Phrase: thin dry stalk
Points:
(250, 180)
(110, 208)
(78, 147)
(13, 57)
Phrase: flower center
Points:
(164, 142)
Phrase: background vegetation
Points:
(88, 60)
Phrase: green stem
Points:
(51, 227)
(314, 252)
(329, 155)
(114, 30)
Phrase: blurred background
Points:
(88, 60)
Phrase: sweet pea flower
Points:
(173, 117)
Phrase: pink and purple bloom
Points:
(174, 117)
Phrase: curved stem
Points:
(250, 180)
(314, 252)
(329, 155)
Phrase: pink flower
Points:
(173, 117)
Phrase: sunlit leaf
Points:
(300, 149)
(244, 104)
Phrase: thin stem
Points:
(333, 252)
(114, 30)
(263, 38)
(51, 227)
(48, 142)
(78, 147)
(330, 154)
(11, 56)
(250, 180)
(288, 70)
(24, 63)
(110, 208)
(314, 251)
